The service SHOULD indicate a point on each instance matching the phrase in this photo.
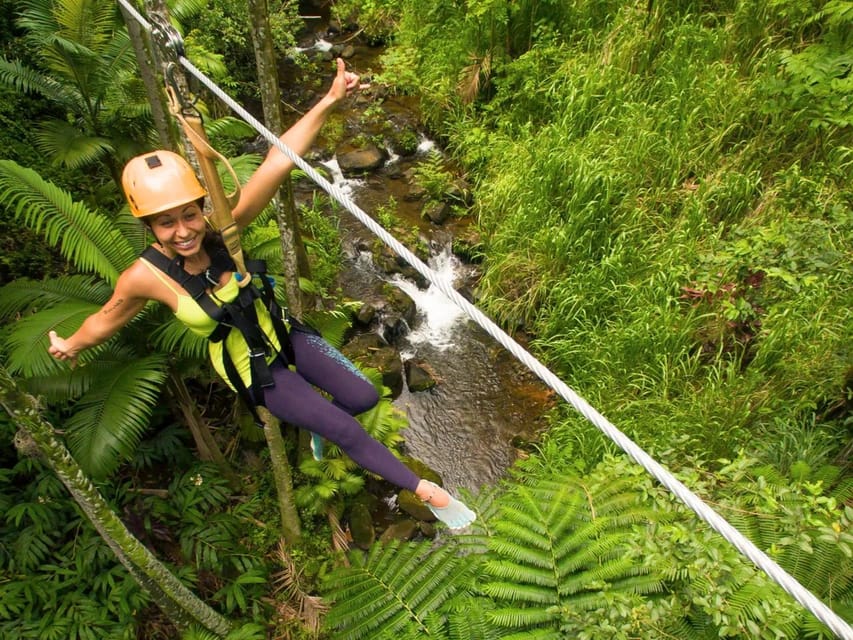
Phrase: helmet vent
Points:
(153, 162)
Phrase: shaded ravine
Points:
(465, 428)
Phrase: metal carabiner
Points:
(169, 49)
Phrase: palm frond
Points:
(28, 80)
(333, 325)
(110, 419)
(28, 340)
(86, 238)
(61, 386)
(244, 166)
(172, 336)
(132, 230)
(68, 146)
(229, 127)
(92, 24)
(24, 294)
(184, 10)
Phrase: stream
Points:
(467, 426)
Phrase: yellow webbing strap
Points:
(221, 203)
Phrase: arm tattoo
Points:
(114, 306)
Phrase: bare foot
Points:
(433, 494)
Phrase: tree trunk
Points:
(153, 82)
(290, 525)
(36, 437)
(292, 248)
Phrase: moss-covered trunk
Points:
(36, 436)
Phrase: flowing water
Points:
(466, 426)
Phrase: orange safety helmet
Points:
(158, 181)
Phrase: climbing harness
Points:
(237, 315)
(790, 584)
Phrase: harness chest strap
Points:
(241, 314)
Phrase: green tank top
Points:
(191, 315)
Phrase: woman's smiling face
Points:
(180, 230)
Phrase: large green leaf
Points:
(112, 416)
(28, 340)
(86, 238)
(65, 144)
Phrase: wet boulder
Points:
(419, 376)
(407, 501)
(402, 530)
(360, 161)
(437, 212)
(370, 350)
(365, 315)
(361, 526)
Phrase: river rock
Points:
(419, 376)
(460, 191)
(365, 314)
(369, 350)
(407, 501)
(361, 526)
(415, 193)
(402, 530)
(360, 161)
(414, 506)
(403, 305)
(437, 212)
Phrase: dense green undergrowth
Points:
(665, 198)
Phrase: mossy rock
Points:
(407, 501)
(361, 526)
(402, 530)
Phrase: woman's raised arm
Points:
(264, 183)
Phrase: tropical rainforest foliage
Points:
(664, 199)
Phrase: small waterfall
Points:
(336, 177)
(439, 314)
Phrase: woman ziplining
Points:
(188, 270)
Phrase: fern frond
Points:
(398, 589)
(518, 618)
(85, 238)
(559, 543)
(111, 417)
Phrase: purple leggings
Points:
(295, 401)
